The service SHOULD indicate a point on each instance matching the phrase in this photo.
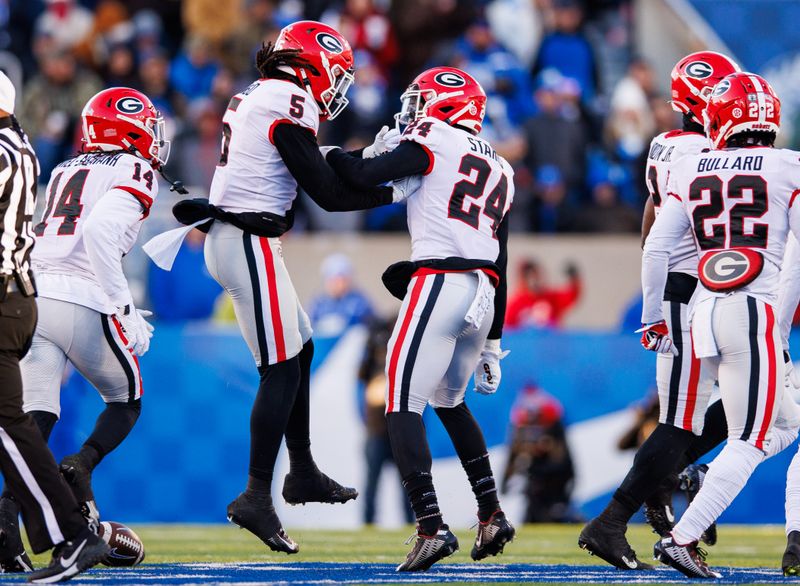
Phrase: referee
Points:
(51, 514)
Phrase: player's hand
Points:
(655, 337)
(324, 150)
(136, 328)
(404, 188)
(386, 140)
(487, 372)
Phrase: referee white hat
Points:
(7, 94)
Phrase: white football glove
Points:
(324, 150)
(655, 337)
(386, 140)
(791, 379)
(404, 188)
(136, 328)
(487, 372)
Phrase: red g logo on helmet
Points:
(728, 270)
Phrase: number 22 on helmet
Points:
(329, 72)
(121, 118)
(446, 93)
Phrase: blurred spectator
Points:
(154, 73)
(539, 452)
(194, 69)
(66, 22)
(121, 67)
(341, 305)
(377, 448)
(254, 29)
(606, 214)
(51, 106)
(551, 211)
(212, 20)
(188, 291)
(556, 136)
(536, 304)
(519, 24)
(566, 49)
(111, 27)
(369, 29)
(197, 147)
(631, 124)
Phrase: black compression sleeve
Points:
(409, 158)
(496, 331)
(300, 153)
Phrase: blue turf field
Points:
(345, 573)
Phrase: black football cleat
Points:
(13, 558)
(689, 559)
(492, 536)
(72, 557)
(608, 542)
(790, 564)
(660, 517)
(691, 481)
(429, 549)
(261, 521)
(79, 478)
(315, 487)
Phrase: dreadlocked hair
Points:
(752, 138)
(269, 60)
(691, 125)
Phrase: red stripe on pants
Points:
(771, 371)
(274, 307)
(401, 336)
(122, 337)
(691, 391)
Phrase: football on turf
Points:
(126, 547)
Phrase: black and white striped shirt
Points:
(19, 173)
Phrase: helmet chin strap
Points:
(176, 185)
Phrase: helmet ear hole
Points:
(447, 109)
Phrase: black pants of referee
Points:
(49, 511)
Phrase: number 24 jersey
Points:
(464, 194)
(741, 198)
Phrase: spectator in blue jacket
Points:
(187, 292)
(341, 305)
(193, 70)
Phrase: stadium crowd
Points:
(563, 81)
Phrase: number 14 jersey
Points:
(465, 193)
(60, 262)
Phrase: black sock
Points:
(45, 421)
(113, 425)
(467, 438)
(656, 459)
(274, 400)
(260, 489)
(298, 437)
(413, 459)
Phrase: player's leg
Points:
(251, 271)
(305, 483)
(751, 386)
(494, 530)
(98, 351)
(684, 388)
(791, 556)
(418, 356)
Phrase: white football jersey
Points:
(741, 198)
(61, 265)
(665, 150)
(251, 176)
(463, 197)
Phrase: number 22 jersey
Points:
(61, 264)
(464, 195)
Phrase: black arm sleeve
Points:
(409, 158)
(500, 294)
(300, 153)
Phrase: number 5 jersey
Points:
(83, 266)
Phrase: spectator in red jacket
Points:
(535, 304)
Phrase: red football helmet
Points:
(741, 102)
(330, 63)
(445, 93)
(694, 76)
(124, 118)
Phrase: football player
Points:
(95, 205)
(684, 387)
(453, 293)
(269, 149)
(739, 201)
